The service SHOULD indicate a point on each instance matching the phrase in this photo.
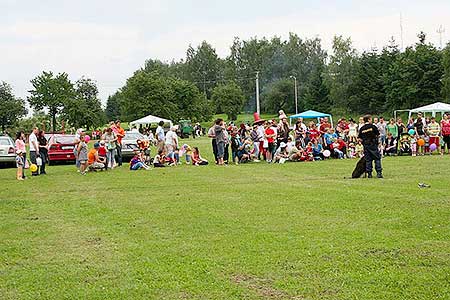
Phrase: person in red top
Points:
(324, 126)
(313, 133)
(120, 135)
(445, 131)
(197, 160)
(270, 137)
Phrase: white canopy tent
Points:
(150, 120)
(432, 109)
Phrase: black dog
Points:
(360, 168)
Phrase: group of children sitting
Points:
(142, 159)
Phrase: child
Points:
(82, 151)
(137, 163)
(159, 160)
(102, 154)
(359, 150)
(197, 160)
(19, 164)
(413, 142)
(186, 150)
(351, 152)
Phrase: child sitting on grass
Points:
(137, 162)
(160, 159)
(197, 160)
(19, 164)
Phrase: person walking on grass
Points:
(220, 136)
(34, 148)
(369, 135)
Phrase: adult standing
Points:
(420, 127)
(172, 144)
(434, 130)
(369, 135)
(76, 141)
(110, 139)
(392, 128)
(445, 131)
(212, 136)
(283, 130)
(120, 133)
(160, 135)
(221, 139)
(401, 127)
(20, 146)
(43, 151)
(34, 148)
(381, 125)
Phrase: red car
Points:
(61, 148)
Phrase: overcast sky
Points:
(107, 40)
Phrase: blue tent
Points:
(311, 114)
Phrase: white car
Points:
(7, 150)
(129, 143)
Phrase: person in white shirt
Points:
(160, 136)
(34, 148)
(172, 144)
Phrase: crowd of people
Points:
(273, 141)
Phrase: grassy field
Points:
(255, 231)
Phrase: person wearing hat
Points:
(19, 164)
(281, 155)
(94, 160)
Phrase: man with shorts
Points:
(369, 135)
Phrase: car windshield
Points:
(66, 139)
(5, 142)
(133, 136)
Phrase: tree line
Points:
(342, 82)
(345, 81)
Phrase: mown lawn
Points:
(255, 231)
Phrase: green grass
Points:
(255, 231)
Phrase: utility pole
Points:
(440, 31)
(401, 31)
(295, 93)
(257, 93)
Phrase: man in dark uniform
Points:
(369, 135)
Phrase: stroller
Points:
(405, 145)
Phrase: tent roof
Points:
(150, 120)
(435, 107)
(310, 114)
